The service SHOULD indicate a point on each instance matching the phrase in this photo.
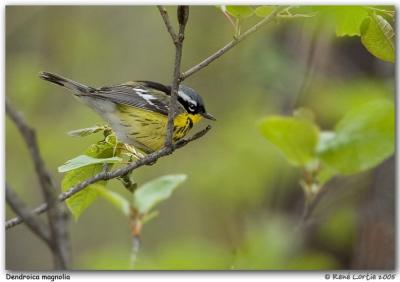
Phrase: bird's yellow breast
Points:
(146, 130)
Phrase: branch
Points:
(104, 175)
(46, 183)
(167, 22)
(32, 222)
(309, 207)
(135, 250)
(183, 15)
(169, 148)
(44, 176)
(230, 45)
(136, 228)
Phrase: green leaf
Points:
(325, 137)
(83, 199)
(116, 199)
(296, 138)
(348, 19)
(264, 11)
(363, 138)
(84, 160)
(240, 12)
(102, 150)
(155, 191)
(87, 131)
(325, 173)
(111, 140)
(378, 37)
(384, 10)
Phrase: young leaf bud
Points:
(183, 14)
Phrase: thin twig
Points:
(151, 158)
(55, 218)
(128, 183)
(135, 250)
(183, 14)
(230, 45)
(167, 22)
(147, 160)
(309, 207)
(33, 223)
(136, 229)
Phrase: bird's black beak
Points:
(208, 116)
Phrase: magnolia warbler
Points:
(137, 111)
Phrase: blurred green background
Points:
(241, 202)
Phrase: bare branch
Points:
(44, 176)
(230, 45)
(167, 22)
(47, 185)
(183, 14)
(147, 160)
(170, 147)
(195, 136)
(31, 221)
(17, 220)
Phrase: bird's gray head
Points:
(192, 102)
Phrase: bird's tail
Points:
(68, 83)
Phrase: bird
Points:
(137, 111)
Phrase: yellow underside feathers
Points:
(147, 129)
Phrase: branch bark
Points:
(33, 223)
(55, 219)
(148, 160)
(55, 214)
(183, 15)
(230, 45)
(167, 22)
(170, 147)
(183, 12)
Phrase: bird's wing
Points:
(137, 94)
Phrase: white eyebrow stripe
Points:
(186, 98)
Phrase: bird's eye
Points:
(191, 107)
